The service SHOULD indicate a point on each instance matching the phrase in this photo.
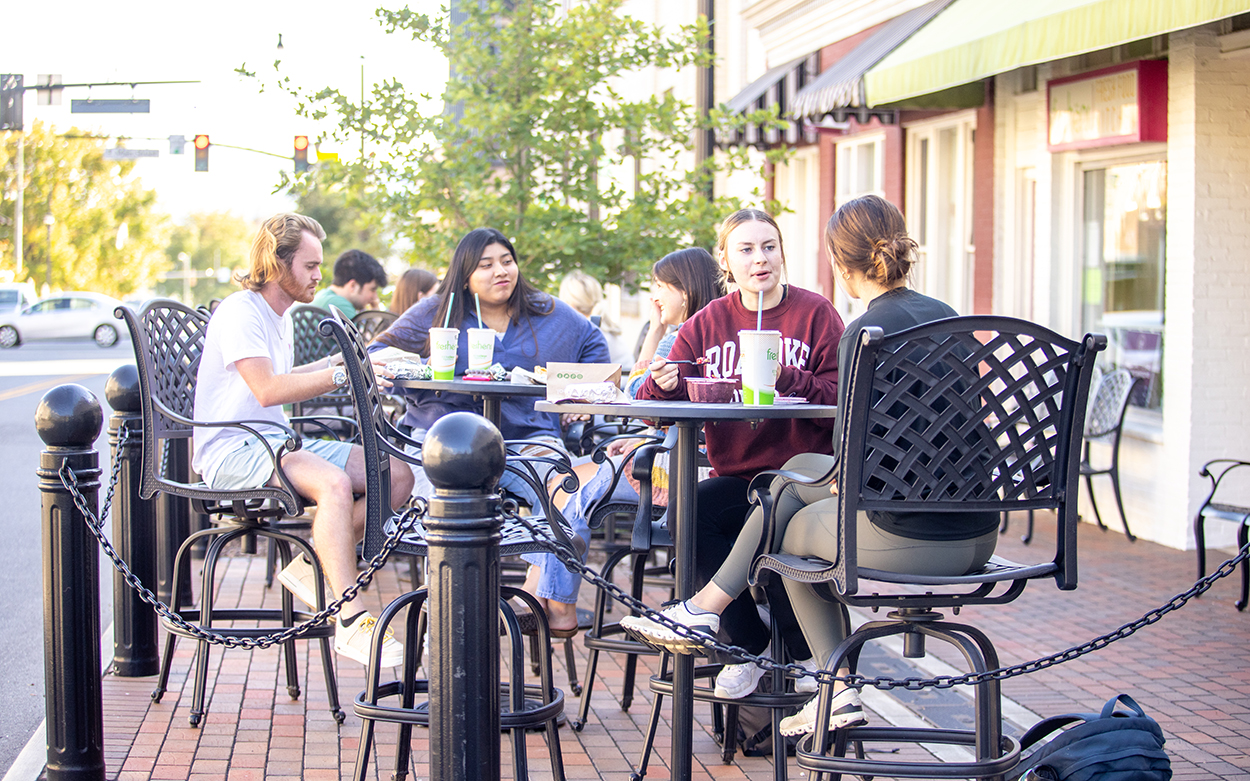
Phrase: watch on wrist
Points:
(340, 377)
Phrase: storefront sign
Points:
(1123, 104)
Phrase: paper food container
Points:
(561, 375)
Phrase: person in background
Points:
(413, 285)
(247, 373)
(750, 251)
(584, 293)
(358, 276)
(532, 329)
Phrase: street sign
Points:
(118, 153)
(110, 106)
(52, 95)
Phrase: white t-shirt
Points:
(243, 326)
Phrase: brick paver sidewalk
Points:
(1191, 671)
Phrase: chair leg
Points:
(1200, 543)
(1119, 503)
(1028, 533)
(570, 663)
(327, 650)
(1242, 532)
(1093, 501)
(653, 724)
(271, 562)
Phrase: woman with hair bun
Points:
(872, 257)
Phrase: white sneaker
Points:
(300, 579)
(846, 711)
(655, 633)
(736, 681)
(352, 639)
(807, 684)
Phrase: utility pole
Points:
(705, 95)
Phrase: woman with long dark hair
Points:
(531, 329)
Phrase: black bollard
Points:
(68, 421)
(464, 458)
(135, 651)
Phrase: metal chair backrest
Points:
(168, 339)
(372, 322)
(377, 436)
(1106, 411)
(310, 344)
(967, 414)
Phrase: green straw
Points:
(451, 299)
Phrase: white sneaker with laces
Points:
(300, 579)
(353, 637)
(807, 684)
(655, 633)
(736, 681)
(846, 711)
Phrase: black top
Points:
(894, 311)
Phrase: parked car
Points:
(63, 316)
(16, 296)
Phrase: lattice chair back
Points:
(377, 438)
(1106, 411)
(372, 322)
(168, 339)
(967, 414)
(310, 344)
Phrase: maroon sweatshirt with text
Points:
(810, 331)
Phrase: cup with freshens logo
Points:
(443, 342)
(481, 348)
(761, 363)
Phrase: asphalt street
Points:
(26, 374)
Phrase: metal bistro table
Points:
(689, 417)
(492, 394)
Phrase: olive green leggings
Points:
(808, 526)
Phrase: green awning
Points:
(975, 39)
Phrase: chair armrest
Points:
(323, 422)
(763, 488)
(1215, 470)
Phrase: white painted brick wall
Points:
(1206, 362)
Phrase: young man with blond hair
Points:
(247, 373)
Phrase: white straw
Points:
(478, 301)
(759, 314)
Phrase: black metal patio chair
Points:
(529, 706)
(1105, 423)
(1217, 471)
(968, 414)
(168, 340)
(371, 322)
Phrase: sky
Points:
(324, 44)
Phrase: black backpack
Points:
(1108, 746)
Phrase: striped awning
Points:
(842, 85)
(975, 39)
(775, 90)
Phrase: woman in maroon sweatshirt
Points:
(749, 250)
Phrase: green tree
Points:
(216, 245)
(107, 235)
(331, 194)
(536, 140)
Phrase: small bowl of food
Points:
(710, 390)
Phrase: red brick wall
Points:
(983, 207)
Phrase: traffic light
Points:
(201, 152)
(301, 154)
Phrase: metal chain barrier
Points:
(95, 523)
(884, 682)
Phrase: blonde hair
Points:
(733, 221)
(584, 293)
(274, 246)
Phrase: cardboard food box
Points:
(562, 375)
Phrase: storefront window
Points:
(1125, 218)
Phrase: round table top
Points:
(475, 387)
(690, 410)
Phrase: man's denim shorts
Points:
(251, 467)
